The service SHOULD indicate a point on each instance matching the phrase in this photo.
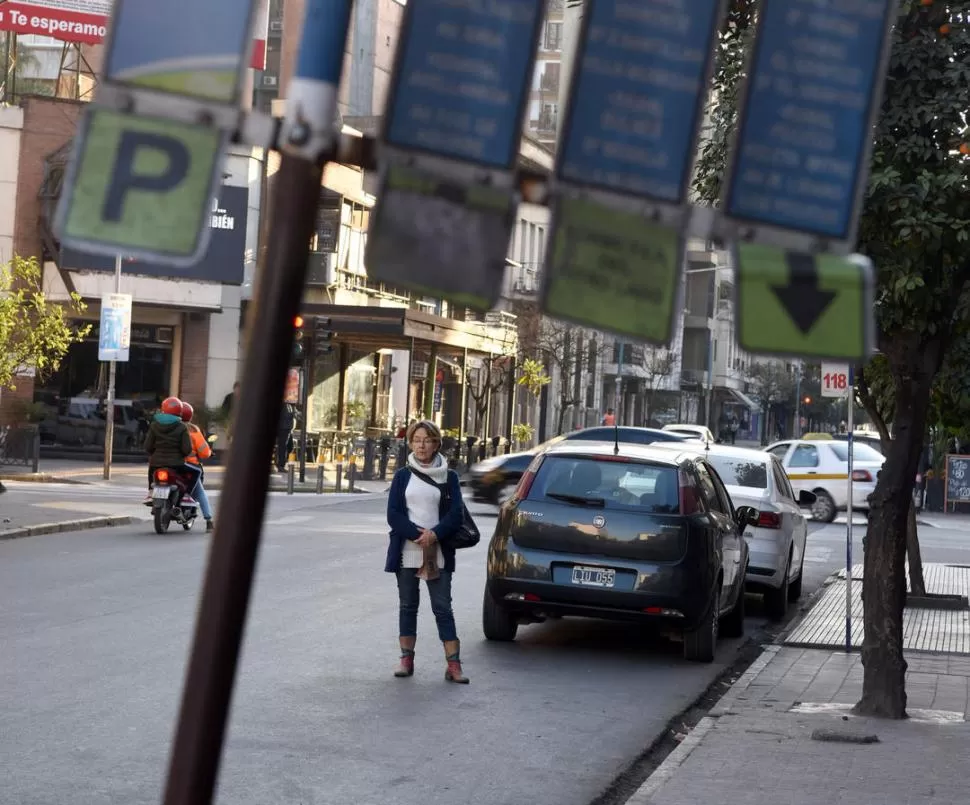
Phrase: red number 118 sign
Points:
(835, 380)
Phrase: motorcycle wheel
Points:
(162, 519)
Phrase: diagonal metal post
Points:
(308, 136)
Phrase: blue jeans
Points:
(409, 590)
(203, 497)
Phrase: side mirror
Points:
(745, 516)
(806, 498)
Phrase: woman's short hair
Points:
(427, 426)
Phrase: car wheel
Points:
(701, 643)
(823, 509)
(733, 623)
(776, 601)
(497, 622)
(795, 587)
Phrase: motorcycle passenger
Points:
(200, 451)
(168, 444)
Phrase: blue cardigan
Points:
(402, 529)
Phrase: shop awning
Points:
(744, 399)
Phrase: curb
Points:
(661, 776)
(40, 478)
(68, 525)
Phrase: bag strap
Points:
(427, 479)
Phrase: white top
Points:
(423, 502)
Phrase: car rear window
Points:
(741, 472)
(860, 452)
(627, 435)
(607, 483)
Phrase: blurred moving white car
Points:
(698, 432)
(822, 467)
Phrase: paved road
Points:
(96, 625)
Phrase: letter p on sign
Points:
(141, 187)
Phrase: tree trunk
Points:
(917, 584)
(914, 364)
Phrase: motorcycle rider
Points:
(168, 444)
(200, 451)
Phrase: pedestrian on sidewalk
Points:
(424, 510)
(284, 436)
(200, 451)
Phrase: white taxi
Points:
(822, 466)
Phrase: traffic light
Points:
(299, 347)
(322, 336)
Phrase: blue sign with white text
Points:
(637, 99)
(462, 76)
(803, 140)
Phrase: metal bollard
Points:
(320, 479)
(290, 471)
(340, 476)
(385, 456)
(370, 454)
(351, 476)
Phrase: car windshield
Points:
(860, 452)
(607, 483)
(748, 472)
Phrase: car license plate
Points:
(594, 577)
(160, 493)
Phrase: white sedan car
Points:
(821, 466)
(776, 543)
(698, 432)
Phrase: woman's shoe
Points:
(406, 668)
(453, 672)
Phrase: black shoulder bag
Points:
(467, 535)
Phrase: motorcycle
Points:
(167, 502)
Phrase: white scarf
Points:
(437, 471)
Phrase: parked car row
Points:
(663, 528)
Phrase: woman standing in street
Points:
(424, 510)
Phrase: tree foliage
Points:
(34, 332)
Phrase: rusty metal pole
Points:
(307, 138)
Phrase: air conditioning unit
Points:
(522, 286)
(276, 26)
(321, 269)
(419, 369)
(270, 80)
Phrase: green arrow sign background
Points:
(843, 327)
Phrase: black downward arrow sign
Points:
(804, 301)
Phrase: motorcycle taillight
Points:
(162, 476)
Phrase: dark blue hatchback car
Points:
(621, 532)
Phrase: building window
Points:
(553, 39)
(549, 81)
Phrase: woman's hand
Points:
(427, 538)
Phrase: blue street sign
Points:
(461, 77)
(637, 97)
(114, 335)
(801, 158)
(197, 48)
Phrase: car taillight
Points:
(162, 476)
(863, 476)
(689, 500)
(769, 520)
(525, 484)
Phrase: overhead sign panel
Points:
(637, 96)
(67, 20)
(141, 186)
(801, 159)
(803, 305)
(463, 68)
(441, 238)
(613, 271)
(198, 50)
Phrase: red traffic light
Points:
(298, 322)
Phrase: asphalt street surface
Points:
(96, 625)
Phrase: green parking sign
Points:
(142, 187)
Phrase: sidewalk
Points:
(20, 520)
(784, 735)
(87, 472)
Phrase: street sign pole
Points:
(109, 408)
(848, 520)
(308, 138)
